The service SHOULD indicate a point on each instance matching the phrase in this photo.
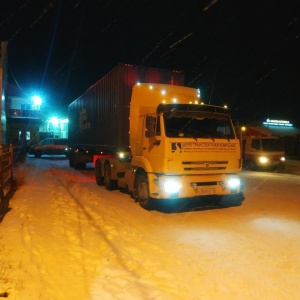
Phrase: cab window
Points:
(256, 144)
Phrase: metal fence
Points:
(7, 182)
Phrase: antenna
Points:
(213, 86)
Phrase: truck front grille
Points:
(204, 165)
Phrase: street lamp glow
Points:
(37, 101)
(54, 121)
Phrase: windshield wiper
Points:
(224, 135)
(187, 123)
(207, 134)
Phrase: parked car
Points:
(50, 146)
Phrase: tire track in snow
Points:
(116, 262)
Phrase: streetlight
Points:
(242, 129)
(37, 101)
(54, 121)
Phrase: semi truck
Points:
(145, 131)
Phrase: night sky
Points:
(245, 54)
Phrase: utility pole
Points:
(3, 80)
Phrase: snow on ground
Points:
(64, 237)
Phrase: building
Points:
(23, 117)
(27, 122)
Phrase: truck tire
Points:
(78, 165)
(98, 173)
(108, 182)
(142, 191)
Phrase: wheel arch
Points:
(139, 162)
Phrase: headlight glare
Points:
(263, 159)
(171, 186)
(234, 183)
(121, 155)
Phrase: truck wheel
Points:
(108, 182)
(142, 191)
(78, 165)
(98, 175)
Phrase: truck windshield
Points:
(271, 145)
(198, 124)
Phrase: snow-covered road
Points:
(67, 238)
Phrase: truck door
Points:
(152, 147)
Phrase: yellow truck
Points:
(178, 147)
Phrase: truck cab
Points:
(181, 148)
(263, 152)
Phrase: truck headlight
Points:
(234, 183)
(171, 186)
(263, 160)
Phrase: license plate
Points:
(206, 191)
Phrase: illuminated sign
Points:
(278, 123)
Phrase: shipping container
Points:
(99, 118)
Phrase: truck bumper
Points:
(187, 186)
